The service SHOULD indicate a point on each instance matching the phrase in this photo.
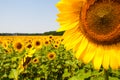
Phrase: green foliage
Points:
(8, 64)
(64, 66)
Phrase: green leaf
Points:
(97, 73)
(59, 66)
(66, 73)
(13, 74)
(97, 78)
(81, 74)
(14, 59)
(113, 78)
(74, 78)
(5, 75)
(38, 78)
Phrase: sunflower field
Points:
(43, 58)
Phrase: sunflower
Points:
(55, 46)
(5, 44)
(35, 60)
(50, 36)
(51, 55)
(29, 45)
(37, 43)
(46, 42)
(92, 30)
(0, 41)
(28, 40)
(18, 45)
(8, 50)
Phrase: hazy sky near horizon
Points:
(28, 16)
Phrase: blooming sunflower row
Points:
(20, 43)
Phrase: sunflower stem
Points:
(106, 74)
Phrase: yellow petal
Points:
(66, 38)
(68, 34)
(72, 5)
(82, 47)
(118, 57)
(113, 60)
(106, 60)
(117, 51)
(69, 16)
(89, 53)
(73, 40)
(68, 26)
(73, 44)
(97, 60)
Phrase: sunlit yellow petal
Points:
(113, 60)
(97, 61)
(106, 59)
(89, 53)
(82, 47)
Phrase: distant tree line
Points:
(53, 33)
(32, 34)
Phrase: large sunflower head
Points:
(92, 30)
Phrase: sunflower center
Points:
(19, 46)
(101, 18)
(51, 56)
(101, 21)
(29, 46)
(46, 42)
(37, 43)
(35, 60)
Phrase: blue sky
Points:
(28, 16)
